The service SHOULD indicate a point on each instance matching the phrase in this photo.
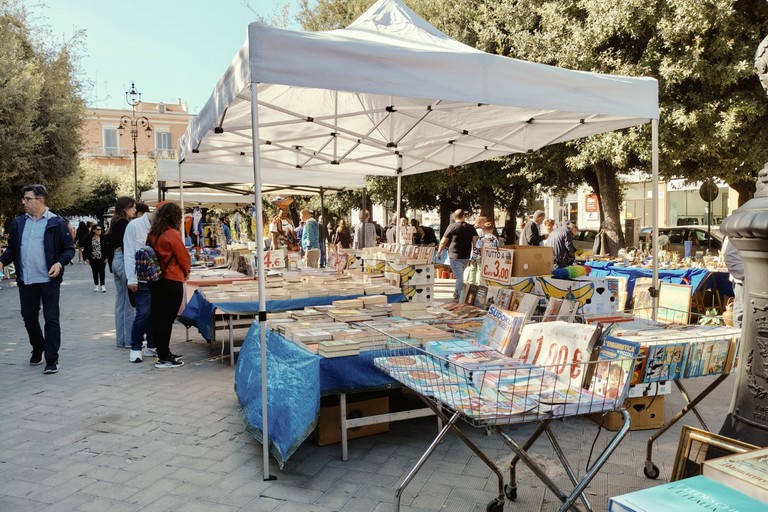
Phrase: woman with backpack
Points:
(167, 292)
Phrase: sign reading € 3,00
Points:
(496, 265)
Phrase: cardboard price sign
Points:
(274, 259)
(496, 265)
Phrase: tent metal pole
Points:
(655, 213)
(260, 272)
(399, 195)
(324, 221)
(365, 219)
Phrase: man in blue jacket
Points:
(40, 246)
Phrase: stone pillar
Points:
(747, 230)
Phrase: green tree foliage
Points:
(41, 109)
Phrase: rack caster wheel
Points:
(511, 492)
(651, 471)
(496, 505)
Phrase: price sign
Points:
(274, 259)
(496, 265)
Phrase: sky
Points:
(171, 49)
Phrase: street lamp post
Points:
(133, 98)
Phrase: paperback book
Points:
(615, 363)
(745, 472)
(696, 494)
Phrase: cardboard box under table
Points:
(645, 413)
(296, 380)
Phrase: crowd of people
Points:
(41, 244)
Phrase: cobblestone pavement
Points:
(107, 435)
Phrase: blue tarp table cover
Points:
(296, 379)
(199, 311)
(693, 276)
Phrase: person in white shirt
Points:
(365, 234)
(134, 238)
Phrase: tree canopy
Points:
(41, 109)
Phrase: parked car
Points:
(678, 234)
(585, 239)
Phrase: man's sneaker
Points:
(51, 368)
(175, 356)
(103, 289)
(135, 356)
(96, 288)
(149, 352)
(175, 363)
(36, 359)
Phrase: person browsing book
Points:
(167, 293)
(459, 238)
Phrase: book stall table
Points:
(296, 380)
(675, 352)
(496, 395)
(699, 278)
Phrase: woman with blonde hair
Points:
(125, 210)
(343, 238)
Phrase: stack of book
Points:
(338, 348)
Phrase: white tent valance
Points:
(392, 85)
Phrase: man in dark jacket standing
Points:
(40, 246)
(562, 245)
(532, 230)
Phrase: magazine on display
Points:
(501, 330)
(524, 303)
(615, 361)
(560, 309)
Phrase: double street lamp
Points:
(133, 98)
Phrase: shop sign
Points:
(496, 265)
(591, 203)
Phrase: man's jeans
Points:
(141, 323)
(31, 296)
(457, 267)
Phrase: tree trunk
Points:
(487, 200)
(445, 213)
(610, 198)
(510, 224)
(745, 189)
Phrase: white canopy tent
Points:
(391, 95)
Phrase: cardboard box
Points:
(650, 389)
(645, 413)
(528, 260)
(422, 274)
(328, 430)
(419, 293)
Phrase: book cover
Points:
(552, 309)
(471, 293)
(694, 494)
(443, 349)
(481, 296)
(525, 303)
(501, 330)
(615, 363)
(503, 297)
(745, 472)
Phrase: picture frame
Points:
(697, 445)
(674, 303)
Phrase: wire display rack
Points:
(496, 394)
(678, 345)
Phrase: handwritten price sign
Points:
(496, 265)
(274, 259)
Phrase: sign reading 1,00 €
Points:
(496, 265)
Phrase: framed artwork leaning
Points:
(697, 445)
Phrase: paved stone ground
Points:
(107, 435)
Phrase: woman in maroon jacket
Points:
(167, 293)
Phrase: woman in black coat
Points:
(95, 254)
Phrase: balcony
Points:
(119, 152)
